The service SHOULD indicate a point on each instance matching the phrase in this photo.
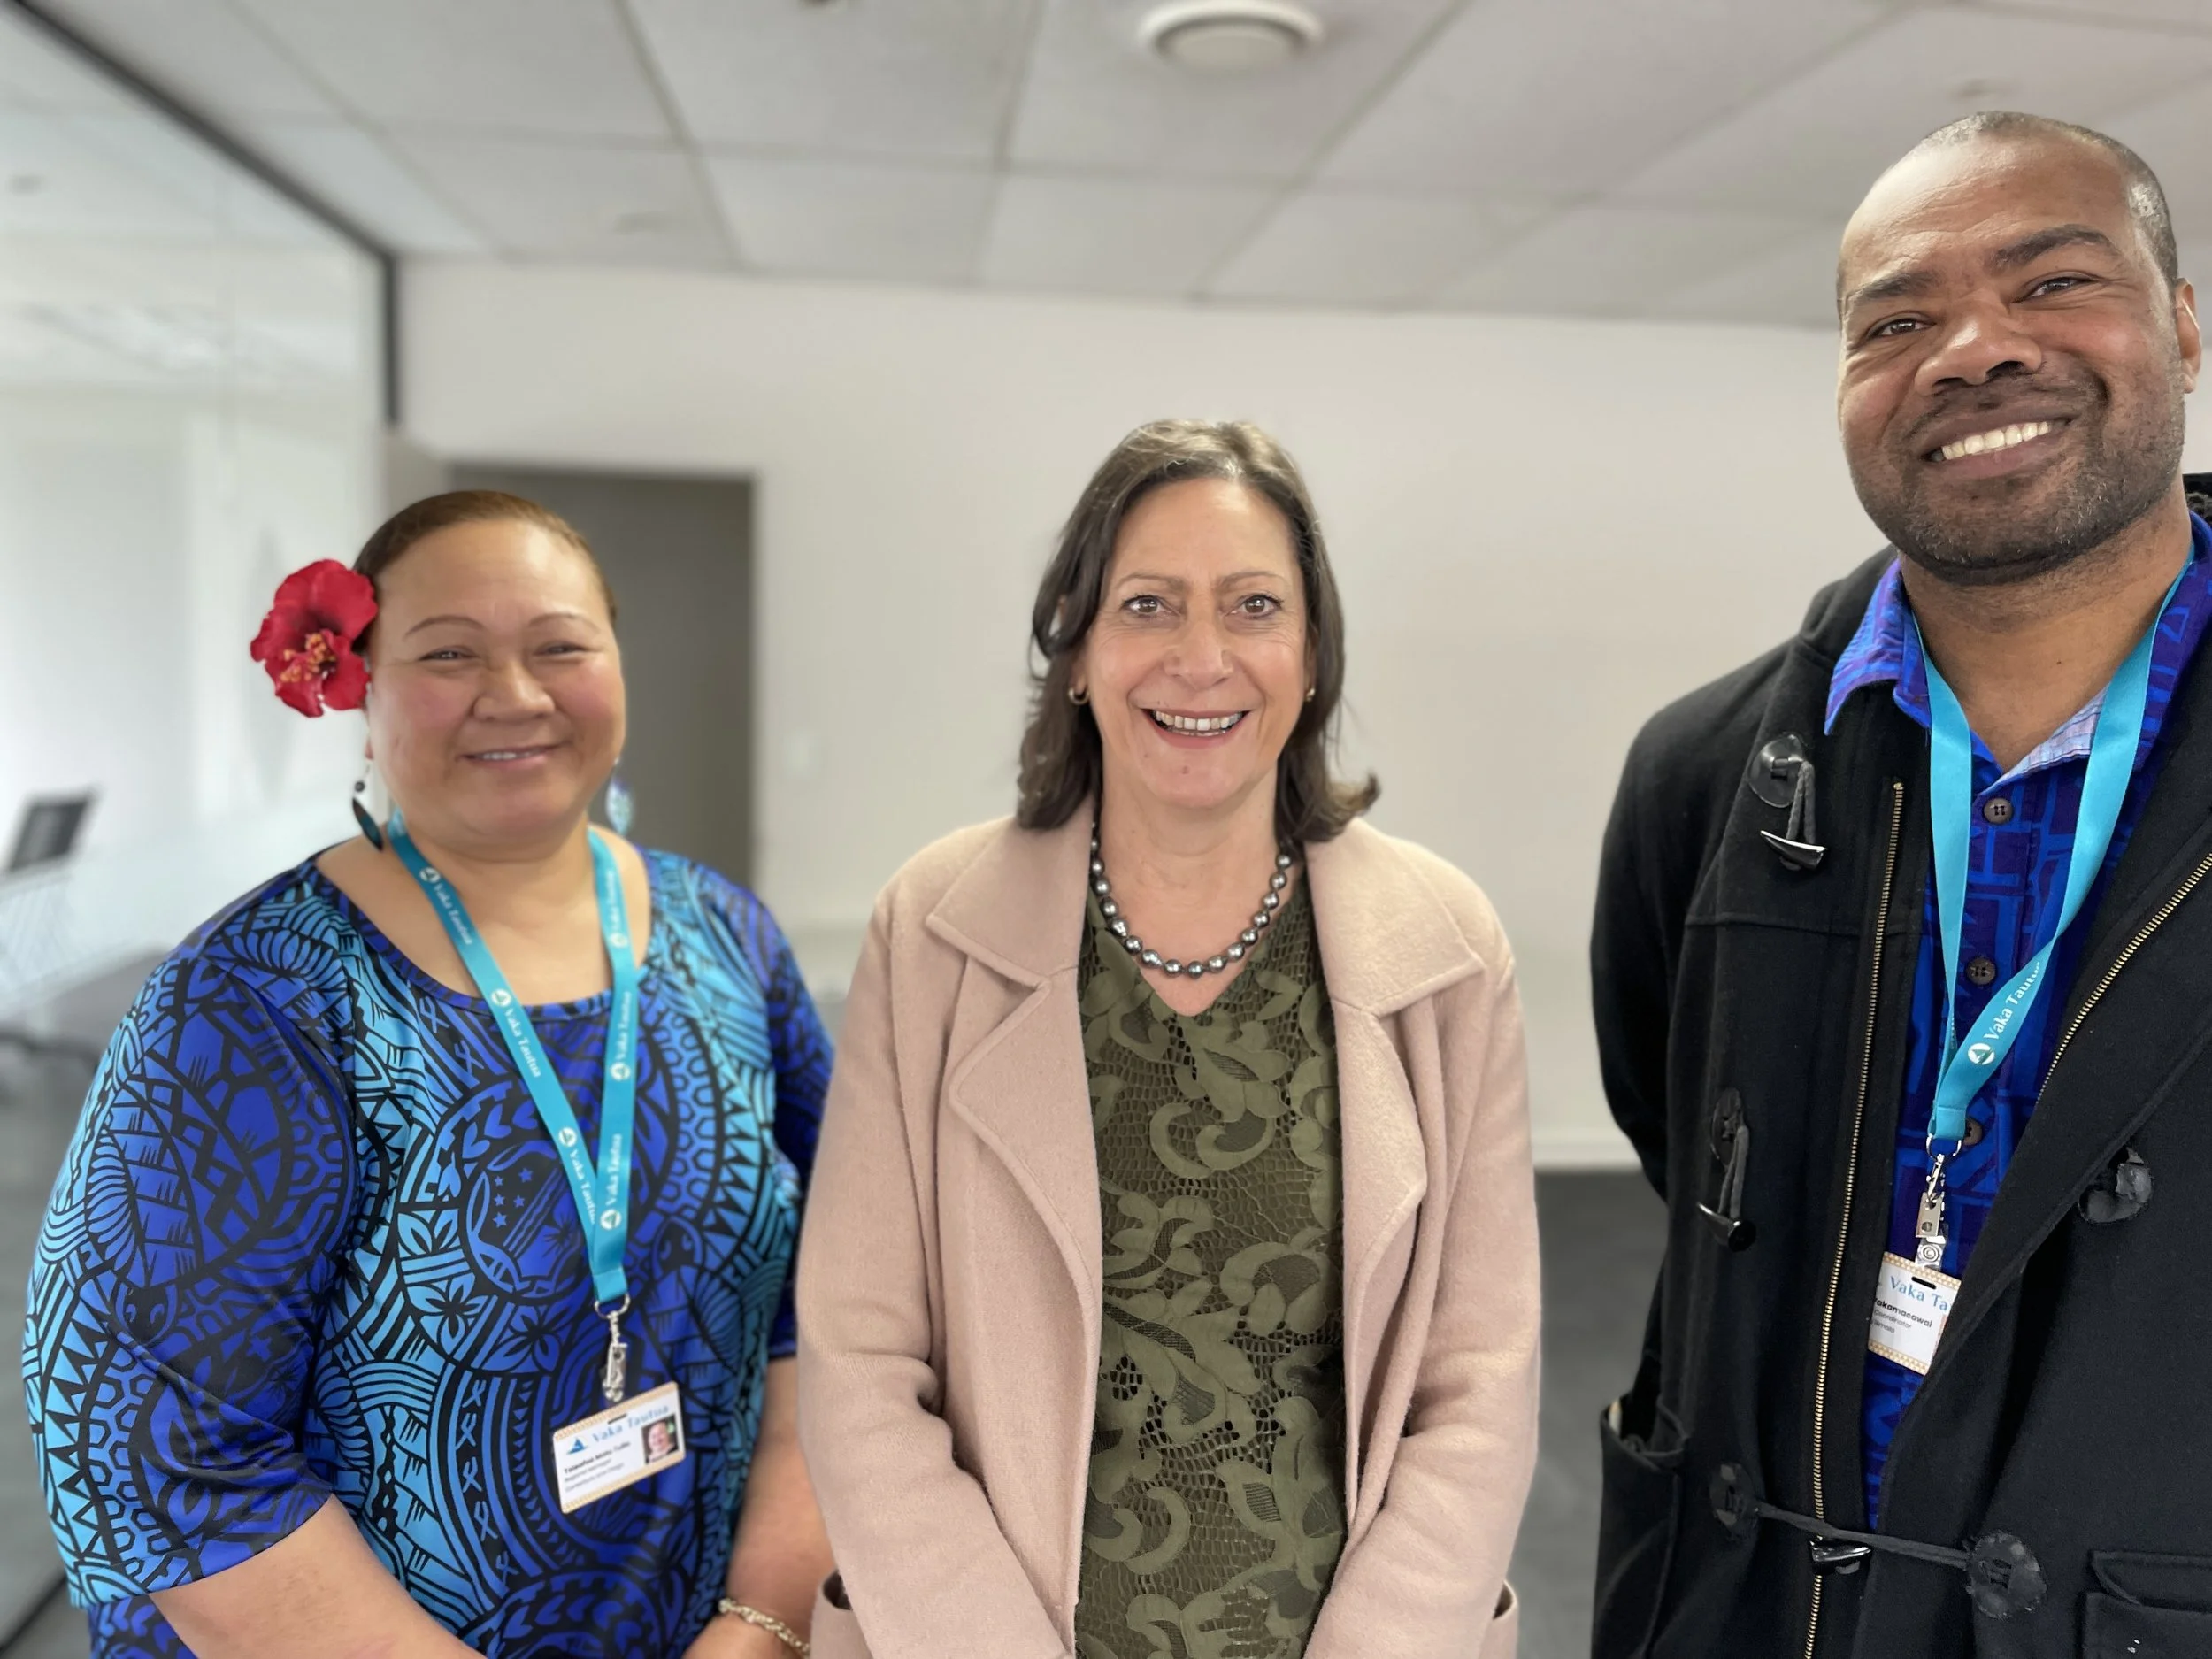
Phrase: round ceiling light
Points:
(1229, 36)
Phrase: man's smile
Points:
(1995, 439)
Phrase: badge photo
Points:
(619, 1447)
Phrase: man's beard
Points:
(2122, 474)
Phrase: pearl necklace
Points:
(1236, 952)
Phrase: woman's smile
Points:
(1195, 731)
(513, 757)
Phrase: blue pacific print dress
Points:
(311, 1239)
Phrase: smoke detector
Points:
(1229, 36)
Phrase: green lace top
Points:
(1216, 1509)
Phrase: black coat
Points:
(2067, 1419)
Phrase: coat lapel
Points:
(1023, 1088)
(1386, 941)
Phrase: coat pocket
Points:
(2150, 1607)
(836, 1633)
(1638, 1510)
(2181, 1582)
(1503, 1637)
(2115, 1629)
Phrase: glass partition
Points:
(190, 374)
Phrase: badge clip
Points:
(614, 1376)
(1929, 1231)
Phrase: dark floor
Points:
(38, 1103)
(1601, 1239)
(55, 1631)
(42, 1084)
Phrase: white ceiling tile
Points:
(1093, 98)
(205, 53)
(363, 178)
(1794, 283)
(61, 179)
(917, 82)
(1615, 261)
(1346, 250)
(38, 72)
(509, 66)
(80, 159)
(1711, 148)
(854, 219)
(189, 177)
(1561, 96)
(629, 206)
(1114, 235)
(1813, 145)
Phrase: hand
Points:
(726, 1638)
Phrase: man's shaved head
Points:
(2146, 197)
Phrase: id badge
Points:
(1911, 1303)
(620, 1447)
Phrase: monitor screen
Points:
(49, 830)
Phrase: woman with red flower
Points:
(426, 1186)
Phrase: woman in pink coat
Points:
(1169, 1282)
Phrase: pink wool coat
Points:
(950, 1272)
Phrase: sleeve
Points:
(1634, 940)
(186, 1255)
(803, 1072)
(909, 1525)
(1425, 1582)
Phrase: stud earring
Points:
(371, 832)
(620, 805)
(1309, 691)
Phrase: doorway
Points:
(678, 551)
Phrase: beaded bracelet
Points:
(768, 1622)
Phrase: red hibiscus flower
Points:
(306, 642)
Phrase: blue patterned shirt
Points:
(311, 1239)
(2015, 881)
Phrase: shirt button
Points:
(1997, 809)
(1982, 971)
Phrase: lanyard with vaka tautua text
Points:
(602, 1191)
(1970, 1062)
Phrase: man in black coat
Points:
(1903, 974)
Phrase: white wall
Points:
(1544, 530)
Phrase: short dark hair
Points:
(432, 513)
(2146, 197)
(1062, 763)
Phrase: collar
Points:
(1885, 650)
(1387, 935)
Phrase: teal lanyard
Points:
(602, 1191)
(1971, 1061)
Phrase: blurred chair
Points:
(31, 906)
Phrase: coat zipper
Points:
(2157, 920)
(1850, 1185)
(1866, 1066)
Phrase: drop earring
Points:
(620, 805)
(371, 832)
